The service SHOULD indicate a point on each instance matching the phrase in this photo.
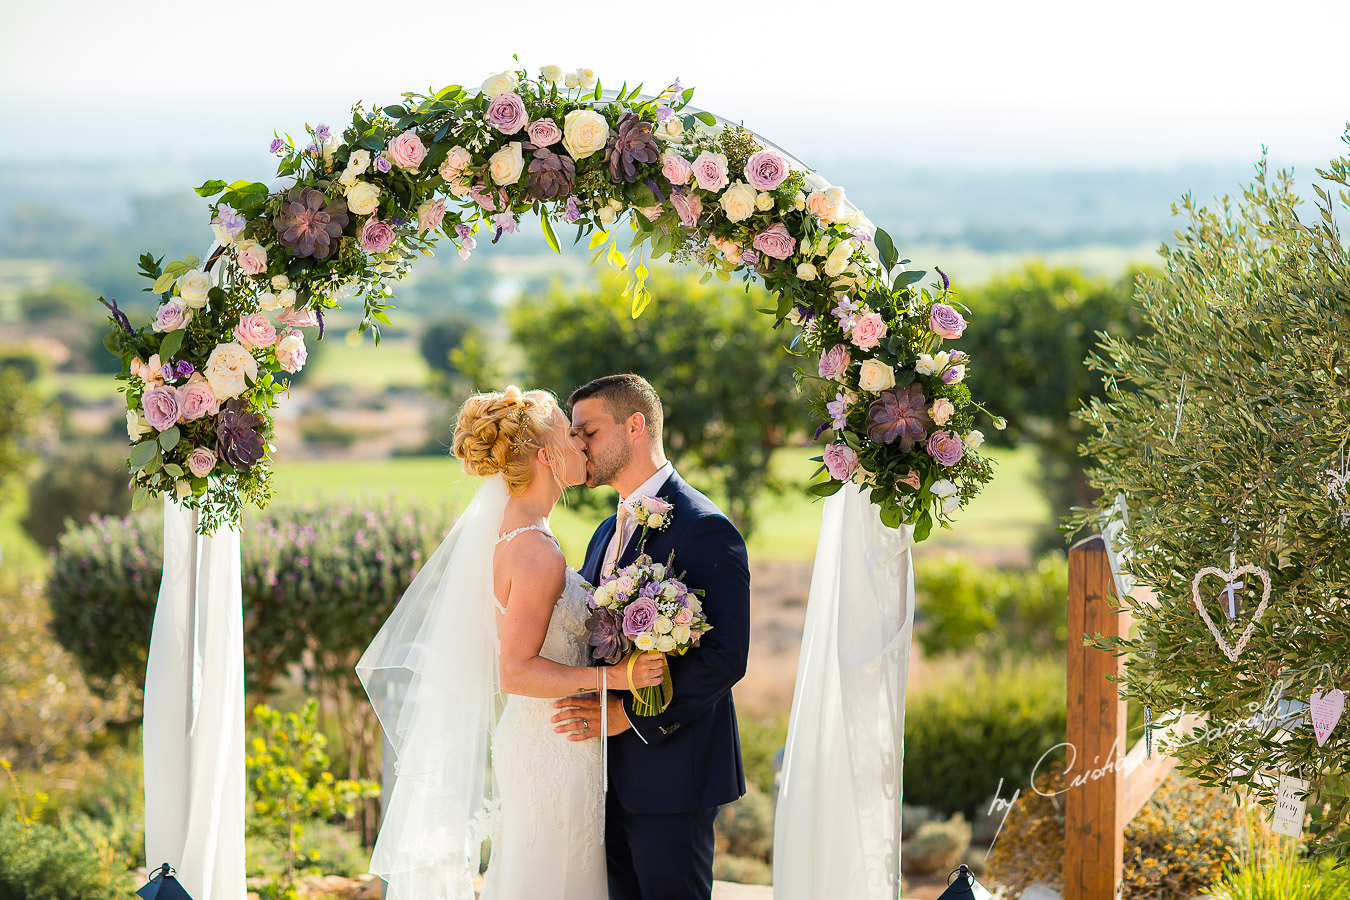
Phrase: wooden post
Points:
(1095, 810)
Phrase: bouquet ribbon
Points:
(649, 701)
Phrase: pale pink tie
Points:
(616, 543)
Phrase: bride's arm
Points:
(532, 570)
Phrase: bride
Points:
(494, 611)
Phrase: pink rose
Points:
(730, 249)
(298, 318)
(196, 399)
(252, 257)
(407, 150)
(766, 170)
(775, 241)
(160, 407)
(710, 170)
(431, 214)
(676, 168)
(868, 331)
(942, 411)
(841, 461)
(945, 321)
(254, 330)
(488, 201)
(506, 113)
(152, 372)
(291, 353)
(689, 206)
(201, 461)
(543, 132)
(683, 617)
(455, 162)
(912, 479)
(656, 505)
(376, 236)
(835, 362)
(945, 447)
(172, 316)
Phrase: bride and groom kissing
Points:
(580, 796)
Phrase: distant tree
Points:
(20, 413)
(724, 378)
(1032, 330)
(442, 337)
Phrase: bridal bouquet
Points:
(642, 608)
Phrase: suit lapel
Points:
(630, 551)
(591, 569)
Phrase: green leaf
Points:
(140, 498)
(164, 282)
(173, 470)
(598, 238)
(706, 118)
(825, 488)
(210, 188)
(891, 516)
(548, 232)
(923, 526)
(142, 453)
(110, 343)
(905, 279)
(172, 343)
(169, 439)
(642, 298)
(885, 248)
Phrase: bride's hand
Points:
(647, 671)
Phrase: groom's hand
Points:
(578, 718)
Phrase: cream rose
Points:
(227, 368)
(290, 351)
(837, 261)
(671, 130)
(941, 411)
(807, 272)
(286, 299)
(280, 282)
(137, 426)
(551, 74)
(267, 302)
(875, 376)
(680, 633)
(193, 287)
(507, 163)
(663, 625)
(500, 83)
(606, 215)
(665, 644)
(571, 80)
(738, 201)
(586, 78)
(764, 201)
(585, 132)
(645, 642)
(973, 440)
(656, 520)
(363, 198)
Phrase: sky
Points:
(968, 83)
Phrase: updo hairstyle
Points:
(500, 431)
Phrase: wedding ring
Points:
(585, 725)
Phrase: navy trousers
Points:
(658, 856)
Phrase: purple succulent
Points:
(237, 439)
(607, 640)
(551, 174)
(308, 225)
(899, 415)
(631, 143)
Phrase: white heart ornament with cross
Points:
(1230, 577)
(1326, 712)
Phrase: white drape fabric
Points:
(431, 674)
(194, 712)
(837, 827)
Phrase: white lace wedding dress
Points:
(549, 841)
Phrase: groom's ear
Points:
(637, 425)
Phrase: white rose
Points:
(586, 77)
(837, 261)
(875, 376)
(764, 201)
(671, 130)
(664, 625)
(669, 592)
(799, 201)
(822, 246)
(695, 605)
(551, 74)
(644, 642)
(137, 425)
(738, 201)
(193, 287)
(665, 643)
(680, 633)
(951, 504)
(807, 272)
(658, 571)
(267, 302)
(585, 132)
(227, 369)
(606, 215)
(604, 594)
(363, 198)
(656, 520)
(223, 236)
(571, 80)
(326, 153)
(500, 83)
(943, 488)
(286, 299)
(974, 439)
(507, 164)
(280, 282)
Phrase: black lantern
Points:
(163, 886)
(961, 885)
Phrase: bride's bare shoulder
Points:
(530, 558)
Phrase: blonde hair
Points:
(500, 431)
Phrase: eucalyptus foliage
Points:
(1221, 427)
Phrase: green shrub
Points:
(937, 847)
(42, 862)
(745, 828)
(762, 737)
(739, 870)
(963, 734)
(321, 431)
(74, 485)
(967, 607)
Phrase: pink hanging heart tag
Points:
(1326, 712)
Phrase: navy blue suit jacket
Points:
(688, 757)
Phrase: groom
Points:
(668, 773)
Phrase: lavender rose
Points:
(945, 321)
(775, 241)
(506, 113)
(945, 447)
(841, 461)
(543, 132)
(639, 617)
(161, 408)
(172, 316)
(766, 170)
(835, 362)
(201, 461)
(376, 236)
(710, 170)
(689, 206)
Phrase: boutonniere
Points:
(653, 514)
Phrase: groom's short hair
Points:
(624, 395)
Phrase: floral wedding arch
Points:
(204, 376)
